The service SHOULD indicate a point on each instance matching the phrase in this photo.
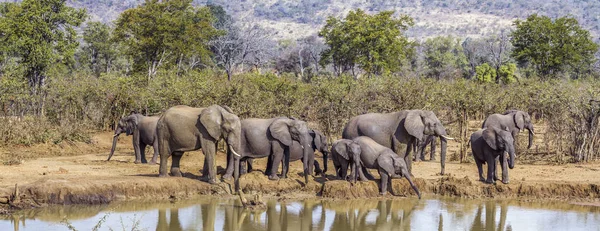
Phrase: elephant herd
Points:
(369, 141)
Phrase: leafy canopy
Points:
(374, 43)
(552, 46)
(161, 32)
(40, 33)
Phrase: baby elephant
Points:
(489, 143)
(370, 155)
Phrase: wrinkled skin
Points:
(391, 129)
(318, 142)
(182, 128)
(365, 152)
(273, 138)
(143, 129)
(488, 145)
(515, 121)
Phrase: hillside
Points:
(464, 18)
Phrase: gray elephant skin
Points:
(318, 142)
(514, 120)
(391, 129)
(487, 145)
(183, 128)
(143, 129)
(273, 138)
(365, 152)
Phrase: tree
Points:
(474, 50)
(498, 49)
(374, 43)
(485, 73)
(99, 50)
(551, 46)
(444, 57)
(41, 34)
(157, 33)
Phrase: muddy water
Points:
(397, 214)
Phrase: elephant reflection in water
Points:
(172, 225)
(387, 218)
(490, 217)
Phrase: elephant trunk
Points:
(412, 184)
(325, 156)
(307, 152)
(511, 157)
(443, 154)
(114, 146)
(531, 133)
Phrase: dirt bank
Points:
(79, 174)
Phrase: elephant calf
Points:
(487, 145)
(143, 129)
(365, 152)
(318, 142)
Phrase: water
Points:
(341, 215)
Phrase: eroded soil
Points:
(79, 174)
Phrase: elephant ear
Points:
(280, 130)
(212, 119)
(489, 135)
(414, 124)
(519, 118)
(316, 139)
(130, 124)
(341, 148)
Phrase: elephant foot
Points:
(489, 181)
(144, 161)
(214, 181)
(137, 162)
(284, 177)
(176, 173)
(505, 181)
(273, 177)
(227, 177)
(153, 162)
(163, 175)
(481, 179)
(382, 193)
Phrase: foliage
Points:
(99, 50)
(485, 73)
(163, 33)
(374, 43)
(444, 57)
(507, 73)
(551, 46)
(41, 34)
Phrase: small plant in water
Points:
(134, 227)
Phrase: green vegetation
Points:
(374, 43)
(553, 46)
(165, 53)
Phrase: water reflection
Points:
(345, 215)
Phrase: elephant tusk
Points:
(233, 151)
(115, 135)
(302, 146)
(532, 133)
(447, 137)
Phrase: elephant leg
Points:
(491, 161)
(175, 164)
(365, 175)
(277, 153)
(143, 153)
(479, 164)
(311, 164)
(285, 165)
(504, 164)
(317, 168)
(249, 165)
(155, 156)
(408, 157)
(269, 165)
(209, 148)
(343, 169)
(383, 181)
(495, 167)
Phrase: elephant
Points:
(273, 138)
(391, 129)
(421, 145)
(371, 155)
(318, 142)
(349, 148)
(143, 129)
(183, 128)
(487, 145)
(515, 121)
